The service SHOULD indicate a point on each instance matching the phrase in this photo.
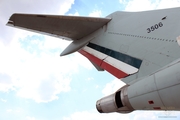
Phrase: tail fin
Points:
(136, 43)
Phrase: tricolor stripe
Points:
(111, 69)
(118, 64)
(117, 55)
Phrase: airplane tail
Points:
(133, 44)
(136, 43)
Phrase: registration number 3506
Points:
(154, 27)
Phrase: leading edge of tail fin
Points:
(118, 64)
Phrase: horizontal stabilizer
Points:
(68, 27)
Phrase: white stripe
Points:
(121, 65)
(112, 61)
(95, 52)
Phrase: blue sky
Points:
(37, 84)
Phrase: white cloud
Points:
(144, 115)
(35, 71)
(52, 42)
(90, 78)
(3, 100)
(75, 14)
(15, 110)
(168, 4)
(40, 75)
(65, 5)
(95, 13)
(5, 82)
(82, 61)
(8, 7)
(9, 110)
(123, 1)
(94, 115)
(139, 5)
(112, 87)
(30, 118)
(135, 115)
(142, 5)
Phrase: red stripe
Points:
(91, 57)
(111, 69)
(114, 71)
(157, 108)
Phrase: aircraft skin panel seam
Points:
(113, 70)
(117, 55)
